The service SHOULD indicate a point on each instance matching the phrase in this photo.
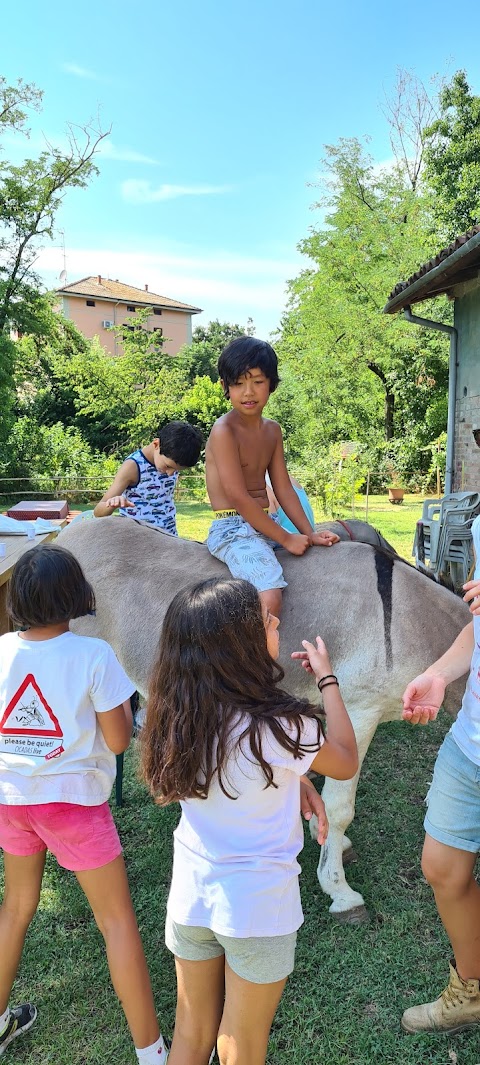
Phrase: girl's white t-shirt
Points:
(466, 727)
(235, 867)
(51, 746)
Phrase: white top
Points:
(51, 746)
(466, 727)
(235, 866)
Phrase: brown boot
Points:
(458, 1007)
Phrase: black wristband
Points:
(327, 685)
(326, 677)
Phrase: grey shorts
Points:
(453, 801)
(258, 959)
(246, 552)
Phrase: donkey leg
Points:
(339, 797)
(347, 904)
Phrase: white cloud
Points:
(109, 150)
(80, 72)
(227, 286)
(138, 191)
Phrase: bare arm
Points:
(424, 695)
(311, 803)
(116, 727)
(338, 756)
(288, 499)
(113, 498)
(285, 493)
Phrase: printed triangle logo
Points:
(28, 713)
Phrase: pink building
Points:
(96, 304)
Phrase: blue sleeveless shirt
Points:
(152, 495)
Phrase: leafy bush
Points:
(52, 459)
(334, 476)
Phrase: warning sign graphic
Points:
(28, 725)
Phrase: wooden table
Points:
(15, 547)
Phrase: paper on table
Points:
(13, 527)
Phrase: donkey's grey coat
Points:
(382, 621)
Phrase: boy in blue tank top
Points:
(145, 483)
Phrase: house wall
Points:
(467, 412)
(176, 325)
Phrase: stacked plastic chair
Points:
(443, 538)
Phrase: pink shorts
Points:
(80, 837)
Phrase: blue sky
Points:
(219, 114)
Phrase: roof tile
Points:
(103, 288)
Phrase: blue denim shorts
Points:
(246, 552)
(453, 800)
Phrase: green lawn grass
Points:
(396, 523)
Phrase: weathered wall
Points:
(467, 413)
(176, 325)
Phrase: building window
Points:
(157, 310)
(131, 309)
(157, 329)
(90, 303)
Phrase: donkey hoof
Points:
(358, 915)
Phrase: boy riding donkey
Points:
(242, 447)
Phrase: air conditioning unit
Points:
(107, 324)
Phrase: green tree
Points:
(200, 358)
(30, 196)
(452, 160)
(366, 376)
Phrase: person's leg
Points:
(457, 895)
(108, 893)
(200, 995)
(251, 556)
(272, 600)
(23, 880)
(247, 1019)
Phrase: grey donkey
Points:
(382, 620)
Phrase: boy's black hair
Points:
(247, 353)
(48, 586)
(180, 442)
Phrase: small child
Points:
(223, 739)
(145, 483)
(241, 448)
(275, 510)
(64, 715)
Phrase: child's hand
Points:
(118, 501)
(297, 543)
(312, 805)
(472, 596)
(314, 659)
(423, 698)
(324, 539)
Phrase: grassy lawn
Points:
(396, 523)
(343, 1004)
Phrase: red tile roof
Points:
(102, 288)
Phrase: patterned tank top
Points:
(152, 496)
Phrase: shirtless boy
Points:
(241, 447)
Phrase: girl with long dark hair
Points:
(223, 739)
